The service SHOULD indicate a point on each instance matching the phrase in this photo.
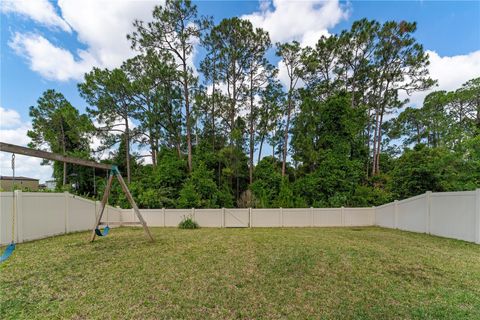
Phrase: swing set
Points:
(113, 172)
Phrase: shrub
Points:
(188, 223)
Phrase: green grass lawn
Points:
(310, 273)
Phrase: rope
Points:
(13, 198)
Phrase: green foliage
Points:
(188, 223)
(366, 196)
(267, 181)
(57, 125)
(201, 191)
(329, 142)
(326, 129)
(432, 169)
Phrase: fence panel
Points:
(6, 207)
(209, 217)
(385, 215)
(266, 218)
(323, 217)
(236, 218)
(80, 213)
(412, 214)
(358, 217)
(174, 216)
(153, 217)
(297, 217)
(452, 215)
(43, 214)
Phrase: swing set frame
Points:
(113, 172)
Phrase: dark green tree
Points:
(58, 127)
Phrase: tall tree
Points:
(59, 127)
(400, 64)
(158, 97)
(110, 96)
(260, 71)
(228, 44)
(269, 117)
(290, 54)
(175, 29)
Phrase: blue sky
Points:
(51, 44)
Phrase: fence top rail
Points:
(385, 205)
(453, 193)
(420, 196)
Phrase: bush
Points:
(188, 223)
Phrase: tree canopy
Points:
(263, 125)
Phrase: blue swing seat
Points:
(8, 252)
(104, 233)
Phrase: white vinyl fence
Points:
(447, 214)
(39, 215)
(251, 217)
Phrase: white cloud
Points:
(101, 25)
(304, 21)
(16, 133)
(51, 62)
(9, 118)
(451, 72)
(41, 11)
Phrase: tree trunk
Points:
(374, 147)
(187, 112)
(64, 173)
(64, 182)
(379, 142)
(369, 130)
(213, 101)
(260, 148)
(153, 149)
(285, 138)
(250, 162)
(127, 149)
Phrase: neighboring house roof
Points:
(17, 178)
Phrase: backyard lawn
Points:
(308, 273)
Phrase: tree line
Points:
(333, 128)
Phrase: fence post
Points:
(311, 217)
(428, 200)
(67, 209)
(342, 213)
(374, 217)
(477, 216)
(163, 212)
(19, 217)
(249, 217)
(223, 217)
(395, 214)
(193, 214)
(281, 217)
(120, 216)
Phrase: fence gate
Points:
(236, 218)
